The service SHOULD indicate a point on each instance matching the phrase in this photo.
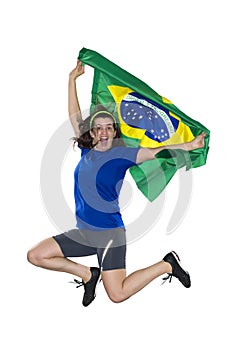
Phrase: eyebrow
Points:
(103, 124)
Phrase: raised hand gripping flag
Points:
(146, 120)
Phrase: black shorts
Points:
(109, 246)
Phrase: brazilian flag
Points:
(146, 119)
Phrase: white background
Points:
(182, 49)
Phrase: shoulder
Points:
(124, 150)
(129, 153)
(84, 151)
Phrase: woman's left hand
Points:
(198, 142)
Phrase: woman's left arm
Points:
(145, 154)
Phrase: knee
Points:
(34, 257)
(117, 296)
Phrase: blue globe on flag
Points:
(139, 112)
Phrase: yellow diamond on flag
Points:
(143, 119)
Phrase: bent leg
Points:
(48, 255)
(119, 287)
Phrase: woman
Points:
(100, 229)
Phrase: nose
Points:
(103, 131)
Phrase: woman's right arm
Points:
(75, 114)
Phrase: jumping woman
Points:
(100, 230)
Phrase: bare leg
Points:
(119, 287)
(48, 255)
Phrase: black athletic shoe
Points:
(90, 286)
(183, 276)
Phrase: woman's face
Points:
(103, 133)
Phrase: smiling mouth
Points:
(104, 141)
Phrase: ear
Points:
(92, 134)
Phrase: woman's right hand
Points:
(77, 71)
